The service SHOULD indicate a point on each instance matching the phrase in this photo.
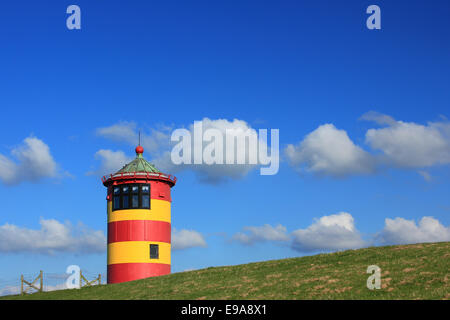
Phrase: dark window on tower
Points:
(145, 201)
(125, 201)
(116, 199)
(145, 194)
(135, 201)
(135, 197)
(116, 203)
(131, 196)
(154, 251)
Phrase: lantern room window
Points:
(145, 196)
(131, 196)
(145, 202)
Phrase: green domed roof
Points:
(139, 165)
(139, 168)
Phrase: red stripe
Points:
(160, 190)
(122, 272)
(139, 230)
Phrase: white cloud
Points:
(263, 233)
(329, 151)
(425, 175)
(10, 290)
(51, 238)
(34, 162)
(402, 231)
(189, 269)
(110, 161)
(158, 145)
(59, 286)
(379, 118)
(8, 170)
(184, 239)
(329, 233)
(338, 232)
(412, 145)
(218, 172)
(123, 131)
(153, 142)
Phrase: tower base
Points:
(123, 272)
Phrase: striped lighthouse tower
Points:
(139, 223)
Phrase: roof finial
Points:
(139, 149)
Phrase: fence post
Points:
(99, 279)
(81, 281)
(41, 289)
(21, 284)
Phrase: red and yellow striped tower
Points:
(138, 206)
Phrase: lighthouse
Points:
(139, 222)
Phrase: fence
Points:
(87, 283)
(29, 283)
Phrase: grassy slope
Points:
(420, 271)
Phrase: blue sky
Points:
(288, 65)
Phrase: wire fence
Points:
(51, 281)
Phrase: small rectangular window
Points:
(125, 189)
(125, 202)
(154, 251)
(135, 189)
(135, 201)
(145, 189)
(116, 203)
(146, 201)
(116, 190)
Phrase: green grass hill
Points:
(419, 271)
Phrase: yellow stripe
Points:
(137, 252)
(160, 211)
